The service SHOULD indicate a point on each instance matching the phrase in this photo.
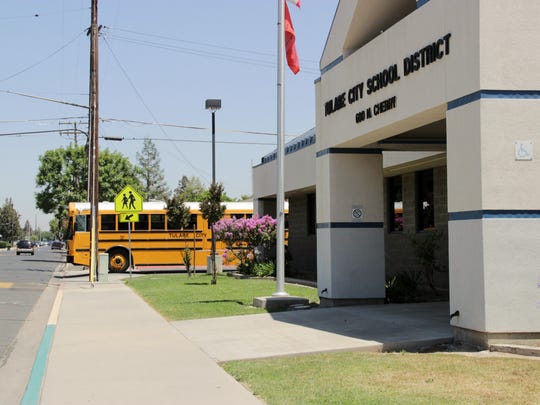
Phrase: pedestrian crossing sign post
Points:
(128, 201)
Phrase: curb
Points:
(32, 393)
(521, 350)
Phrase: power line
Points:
(144, 104)
(42, 60)
(44, 98)
(37, 120)
(189, 127)
(112, 138)
(249, 51)
(186, 140)
(32, 132)
(127, 121)
(270, 63)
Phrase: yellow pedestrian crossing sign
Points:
(128, 201)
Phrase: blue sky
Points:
(158, 63)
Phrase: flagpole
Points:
(280, 195)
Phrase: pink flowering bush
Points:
(242, 236)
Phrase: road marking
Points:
(6, 285)
(33, 389)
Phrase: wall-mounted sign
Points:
(357, 213)
(523, 150)
(414, 62)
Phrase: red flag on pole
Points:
(290, 39)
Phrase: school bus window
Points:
(248, 216)
(81, 223)
(108, 222)
(192, 222)
(142, 225)
(123, 226)
(157, 221)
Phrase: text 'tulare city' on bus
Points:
(153, 242)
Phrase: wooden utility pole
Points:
(93, 152)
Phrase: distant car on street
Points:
(25, 246)
(57, 245)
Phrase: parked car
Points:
(57, 245)
(25, 246)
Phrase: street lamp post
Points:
(213, 105)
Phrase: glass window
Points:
(108, 222)
(425, 212)
(395, 204)
(158, 221)
(311, 214)
(82, 223)
(142, 225)
(123, 226)
(192, 222)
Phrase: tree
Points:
(245, 197)
(153, 182)
(10, 228)
(56, 228)
(63, 178)
(212, 211)
(115, 172)
(27, 229)
(178, 217)
(190, 189)
(178, 213)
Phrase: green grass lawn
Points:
(347, 377)
(179, 297)
(390, 378)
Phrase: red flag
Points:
(290, 39)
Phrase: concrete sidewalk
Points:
(372, 328)
(110, 347)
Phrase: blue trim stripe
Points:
(33, 389)
(412, 142)
(335, 62)
(493, 94)
(350, 225)
(493, 214)
(349, 151)
(303, 141)
(420, 3)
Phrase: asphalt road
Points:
(22, 281)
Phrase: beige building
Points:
(428, 117)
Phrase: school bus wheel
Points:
(118, 260)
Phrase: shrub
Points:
(186, 256)
(403, 287)
(246, 237)
(265, 269)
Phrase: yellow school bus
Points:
(152, 241)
